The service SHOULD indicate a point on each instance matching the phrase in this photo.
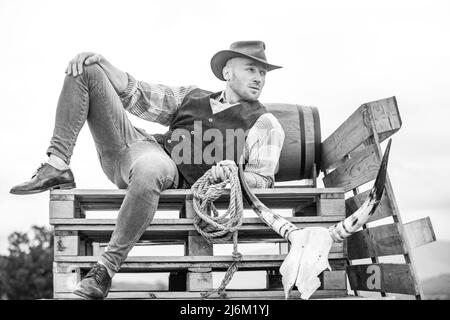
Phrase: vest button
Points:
(210, 120)
(169, 141)
(192, 132)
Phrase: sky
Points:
(336, 55)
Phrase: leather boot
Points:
(46, 178)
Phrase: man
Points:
(96, 91)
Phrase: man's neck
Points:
(230, 96)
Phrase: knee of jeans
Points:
(93, 71)
(150, 174)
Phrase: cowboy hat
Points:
(253, 50)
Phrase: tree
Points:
(27, 272)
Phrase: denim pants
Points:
(130, 157)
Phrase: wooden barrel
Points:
(301, 148)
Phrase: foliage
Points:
(26, 273)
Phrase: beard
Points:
(243, 91)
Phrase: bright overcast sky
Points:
(336, 55)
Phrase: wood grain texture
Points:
(383, 210)
(329, 280)
(291, 151)
(196, 244)
(170, 263)
(355, 171)
(330, 207)
(97, 249)
(382, 277)
(375, 242)
(409, 257)
(110, 200)
(198, 279)
(356, 129)
(67, 243)
(302, 130)
(334, 280)
(66, 281)
(231, 294)
(176, 230)
(99, 195)
(59, 209)
(419, 232)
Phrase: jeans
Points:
(129, 157)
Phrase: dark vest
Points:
(197, 138)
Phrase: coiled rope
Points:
(215, 227)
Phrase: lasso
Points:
(215, 227)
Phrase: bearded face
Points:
(245, 79)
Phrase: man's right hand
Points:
(76, 65)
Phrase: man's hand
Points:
(75, 66)
(221, 171)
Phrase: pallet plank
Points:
(186, 259)
(382, 277)
(252, 229)
(175, 195)
(198, 279)
(334, 280)
(419, 232)
(169, 263)
(330, 280)
(355, 130)
(383, 210)
(188, 221)
(67, 243)
(108, 200)
(64, 209)
(354, 171)
(330, 207)
(230, 294)
(375, 242)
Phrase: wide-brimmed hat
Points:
(245, 49)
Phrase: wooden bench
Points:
(349, 158)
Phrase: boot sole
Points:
(85, 296)
(64, 186)
(81, 292)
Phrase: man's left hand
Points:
(221, 171)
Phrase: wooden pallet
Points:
(350, 158)
(79, 241)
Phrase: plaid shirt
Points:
(159, 103)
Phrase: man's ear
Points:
(226, 73)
